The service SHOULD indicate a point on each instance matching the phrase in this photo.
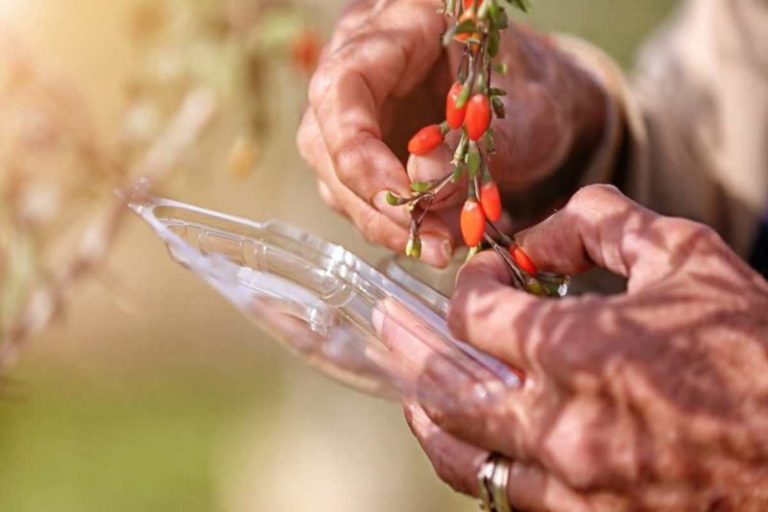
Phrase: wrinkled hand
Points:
(385, 74)
(652, 400)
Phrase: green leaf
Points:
(495, 91)
(473, 161)
(498, 17)
(490, 145)
(498, 107)
(465, 27)
(493, 43)
(420, 186)
(501, 69)
(458, 172)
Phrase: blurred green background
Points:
(159, 396)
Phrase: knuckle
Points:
(701, 232)
(684, 232)
(572, 458)
(322, 82)
(599, 192)
(458, 311)
(557, 350)
(438, 415)
(328, 197)
(350, 159)
(374, 228)
(456, 324)
(456, 416)
(304, 141)
(443, 409)
(449, 474)
(368, 225)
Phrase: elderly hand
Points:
(652, 400)
(385, 74)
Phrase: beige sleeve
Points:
(689, 135)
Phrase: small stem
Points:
(504, 238)
(472, 190)
(435, 187)
(463, 67)
(518, 277)
(442, 183)
(461, 148)
(422, 214)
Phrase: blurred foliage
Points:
(58, 173)
(618, 26)
(136, 411)
(80, 446)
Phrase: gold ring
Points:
(493, 478)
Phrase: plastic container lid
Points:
(331, 308)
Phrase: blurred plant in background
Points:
(228, 46)
(58, 175)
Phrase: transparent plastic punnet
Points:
(377, 332)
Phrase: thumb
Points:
(599, 226)
(435, 166)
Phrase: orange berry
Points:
(472, 223)
(454, 116)
(490, 200)
(523, 261)
(478, 116)
(426, 140)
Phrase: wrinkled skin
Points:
(652, 400)
(385, 74)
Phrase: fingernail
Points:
(418, 417)
(431, 166)
(436, 250)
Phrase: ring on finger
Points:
(493, 478)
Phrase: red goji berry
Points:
(490, 200)
(523, 261)
(426, 140)
(467, 4)
(454, 116)
(472, 222)
(478, 116)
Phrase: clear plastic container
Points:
(373, 330)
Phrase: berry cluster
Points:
(470, 106)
